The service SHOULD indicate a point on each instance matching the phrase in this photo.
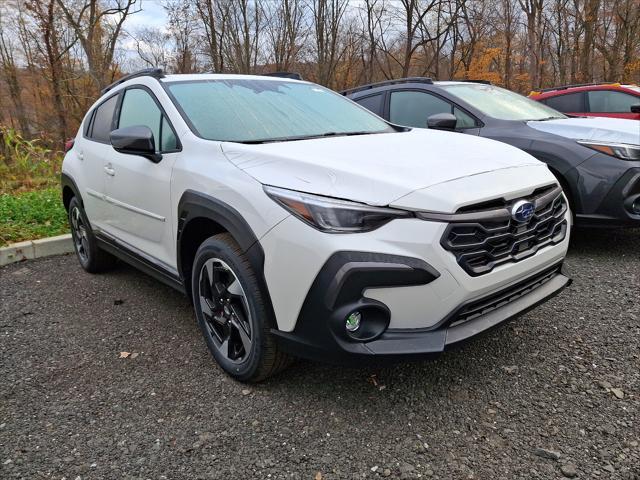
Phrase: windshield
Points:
(256, 110)
(502, 104)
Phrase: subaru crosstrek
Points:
(300, 224)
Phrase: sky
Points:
(152, 15)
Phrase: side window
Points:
(610, 101)
(412, 108)
(139, 108)
(464, 120)
(570, 102)
(102, 120)
(372, 102)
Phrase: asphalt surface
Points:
(552, 394)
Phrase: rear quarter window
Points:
(372, 103)
(102, 121)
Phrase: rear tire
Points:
(91, 257)
(231, 313)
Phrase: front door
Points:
(138, 189)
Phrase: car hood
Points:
(614, 130)
(375, 169)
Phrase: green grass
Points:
(32, 215)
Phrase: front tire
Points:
(91, 257)
(231, 313)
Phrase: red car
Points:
(593, 100)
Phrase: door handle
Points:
(109, 170)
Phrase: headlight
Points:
(625, 151)
(333, 215)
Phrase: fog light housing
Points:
(352, 322)
(635, 206)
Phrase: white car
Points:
(300, 224)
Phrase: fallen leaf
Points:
(318, 476)
(618, 393)
(134, 354)
(124, 354)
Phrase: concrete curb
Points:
(45, 247)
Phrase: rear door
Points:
(138, 189)
(92, 152)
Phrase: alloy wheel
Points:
(225, 310)
(80, 238)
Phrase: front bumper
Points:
(608, 188)
(320, 334)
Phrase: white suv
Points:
(300, 224)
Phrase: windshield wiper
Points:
(307, 137)
(544, 119)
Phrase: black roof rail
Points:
(388, 82)
(483, 82)
(565, 87)
(290, 75)
(156, 73)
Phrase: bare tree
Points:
(52, 45)
(9, 71)
(214, 20)
(327, 19)
(285, 32)
(152, 46)
(183, 31)
(98, 26)
(243, 34)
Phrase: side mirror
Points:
(442, 121)
(635, 108)
(136, 140)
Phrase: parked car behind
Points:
(594, 100)
(301, 224)
(597, 160)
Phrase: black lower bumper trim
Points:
(407, 343)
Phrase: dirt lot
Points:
(555, 393)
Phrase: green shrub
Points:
(27, 164)
(31, 215)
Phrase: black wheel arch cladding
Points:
(67, 183)
(195, 205)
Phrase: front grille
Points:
(480, 246)
(503, 297)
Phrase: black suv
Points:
(597, 160)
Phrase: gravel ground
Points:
(555, 393)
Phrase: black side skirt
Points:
(140, 261)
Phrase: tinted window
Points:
(610, 101)
(103, 119)
(139, 108)
(243, 110)
(412, 109)
(372, 102)
(464, 120)
(571, 102)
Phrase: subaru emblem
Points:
(522, 211)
